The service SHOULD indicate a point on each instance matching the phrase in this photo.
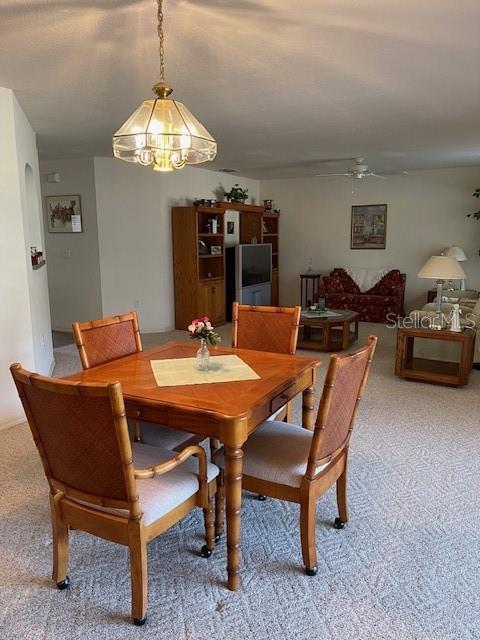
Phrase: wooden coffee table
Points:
(329, 333)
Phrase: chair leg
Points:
(342, 500)
(342, 496)
(209, 519)
(137, 437)
(220, 506)
(308, 510)
(289, 413)
(138, 572)
(60, 543)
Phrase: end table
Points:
(435, 371)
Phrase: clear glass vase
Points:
(203, 356)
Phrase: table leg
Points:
(308, 406)
(345, 335)
(326, 337)
(233, 482)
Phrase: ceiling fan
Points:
(359, 171)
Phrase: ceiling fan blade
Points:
(329, 175)
(376, 175)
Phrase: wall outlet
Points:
(136, 304)
(66, 253)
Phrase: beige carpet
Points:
(407, 566)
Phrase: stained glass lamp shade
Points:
(163, 133)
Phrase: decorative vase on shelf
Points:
(203, 356)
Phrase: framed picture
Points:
(369, 226)
(64, 214)
(230, 227)
(216, 250)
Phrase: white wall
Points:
(73, 260)
(426, 212)
(135, 241)
(24, 321)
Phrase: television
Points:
(254, 264)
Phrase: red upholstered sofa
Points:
(374, 305)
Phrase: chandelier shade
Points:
(163, 133)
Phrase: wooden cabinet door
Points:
(211, 300)
(275, 295)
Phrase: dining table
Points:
(226, 411)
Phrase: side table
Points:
(435, 371)
(309, 288)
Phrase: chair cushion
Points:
(277, 452)
(160, 436)
(163, 493)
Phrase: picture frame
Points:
(216, 250)
(64, 214)
(369, 226)
(230, 227)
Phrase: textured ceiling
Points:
(281, 85)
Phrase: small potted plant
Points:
(202, 329)
(236, 194)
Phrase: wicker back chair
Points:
(82, 437)
(289, 462)
(272, 329)
(107, 339)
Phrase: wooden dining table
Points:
(227, 411)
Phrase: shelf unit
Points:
(199, 274)
(199, 278)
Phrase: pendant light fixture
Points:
(162, 133)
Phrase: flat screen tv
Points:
(254, 264)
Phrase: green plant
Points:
(236, 193)
(476, 214)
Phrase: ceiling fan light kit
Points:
(162, 133)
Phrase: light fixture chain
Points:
(161, 39)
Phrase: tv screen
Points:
(256, 261)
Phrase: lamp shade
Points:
(164, 134)
(455, 252)
(442, 268)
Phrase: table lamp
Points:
(459, 254)
(441, 268)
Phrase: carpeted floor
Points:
(406, 567)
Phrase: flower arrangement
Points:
(202, 329)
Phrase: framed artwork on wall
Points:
(369, 226)
(64, 214)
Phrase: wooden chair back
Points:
(107, 339)
(343, 389)
(82, 436)
(273, 329)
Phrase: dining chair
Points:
(107, 339)
(289, 462)
(273, 329)
(103, 484)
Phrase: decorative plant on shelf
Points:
(236, 194)
(476, 214)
